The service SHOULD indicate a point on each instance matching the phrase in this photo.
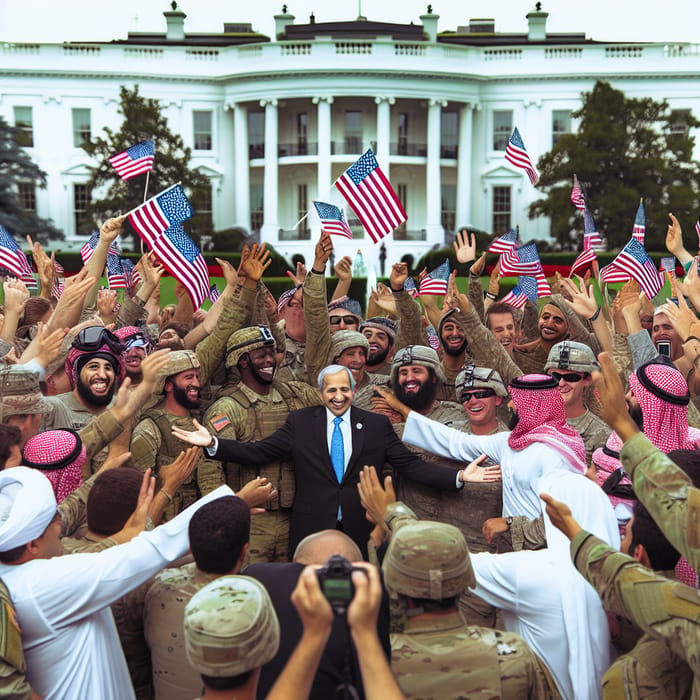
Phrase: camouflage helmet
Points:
(428, 559)
(471, 377)
(178, 361)
(570, 355)
(416, 355)
(345, 339)
(20, 393)
(230, 627)
(245, 340)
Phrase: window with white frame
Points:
(81, 200)
(501, 207)
(26, 195)
(202, 129)
(502, 128)
(256, 134)
(561, 124)
(82, 131)
(24, 122)
(257, 199)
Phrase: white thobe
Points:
(520, 470)
(70, 640)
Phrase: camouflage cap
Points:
(428, 559)
(573, 356)
(342, 340)
(178, 361)
(20, 394)
(245, 340)
(416, 355)
(472, 377)
(230, 627)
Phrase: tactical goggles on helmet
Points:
(567, 376)
(467, 396)
(92, 338)
(136, 340)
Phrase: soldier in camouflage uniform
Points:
(381, 335)
(667, 611)
(437, 654)
(231, 628)
(250, 411)
(13, 669)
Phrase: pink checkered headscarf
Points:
(542, 418)
(607, 462)
(663, 396)
(60, 455)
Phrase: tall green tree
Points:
(624, 149)
(143, 120)
(17, 167)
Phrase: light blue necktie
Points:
(337, 450)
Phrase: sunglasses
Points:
(94, 337)
(567, 377)
(348, 320)
(467, 396)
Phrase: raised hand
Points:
(343, 269)
(373, 497)
(256, 263)
(465, 246)
(322, 251)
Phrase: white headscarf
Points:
(27, 506)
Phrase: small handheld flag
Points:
(134, 161)
(517, 155)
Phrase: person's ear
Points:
(640, 555)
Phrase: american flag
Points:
(584, 259)
(520, 261)
(115, 272)
(526, 289)
(13, 259)
(214, 293)
(128, 270)
(517, 155)
(370, 195)
(433, 339)
(135, 278)
(635, 261)
(639, 227)
(577, 198)
(58, 284)
(161, 212)
(435, 282)
(697, 230)
(410, 286)
(134, 161)
(506, 242)
(89, 247)
(332, 219)
(590, 234)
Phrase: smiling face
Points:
(260, 363)
(379, 345)
(452, 338)
(416, 386)
(503, 328)
(552, 325)
(96, 382)
(337, 393)
(481, 411)
(133, 358)
(571, 392)
(185, 388)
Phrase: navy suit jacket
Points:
(303, 438)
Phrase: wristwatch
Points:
(509, 521)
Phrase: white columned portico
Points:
(324, 145)
(270, 227)
(383, 131)
(534, 137)
(241, 166)
(464, 166)
(432, 174)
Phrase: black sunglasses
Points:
(335, 320)
(94, 337)
(467, 396)
(568, 377)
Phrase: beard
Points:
(455, 352)
(87, 395)
(417, 400)
(635, 412)
(378, 357)
(266, 381)
(514, 420)
(180, 395)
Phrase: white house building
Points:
(274, 121)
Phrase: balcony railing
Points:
(256, 150)
(350, 146)
(302, 148)
(408, 149)
(448, 151)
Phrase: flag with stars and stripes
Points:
(526, 289)
(128, 270)
(89, 246)
(591, 236)
(506, 242)
(433, 339)
(58, 284)
(635, 261)
(516, 154)
(640, 227)
(134, 161)
(13, 259)
(435, 282)
(586, 258)
(520, 261)
(214, 293)
(577, 198)
(115, 272)
(332, 219)
(410, 286)
(370, 195)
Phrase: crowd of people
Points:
(293, 497)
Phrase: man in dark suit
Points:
(329, 446)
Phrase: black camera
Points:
(335, 580)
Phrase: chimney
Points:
(537, 23)
(175, 23)
(282, 21)
(430, 24)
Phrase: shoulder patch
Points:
(220, 422)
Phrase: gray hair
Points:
(334, 369)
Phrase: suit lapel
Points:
(358, 430)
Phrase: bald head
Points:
(320, 546)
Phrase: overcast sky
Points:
(103, 20)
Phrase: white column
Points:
(534, 133)
(241, 166)
(383, 131)
(324, 146)
(432, 173)
(464, 167)
(270, 227)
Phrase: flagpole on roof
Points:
(167, 189)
